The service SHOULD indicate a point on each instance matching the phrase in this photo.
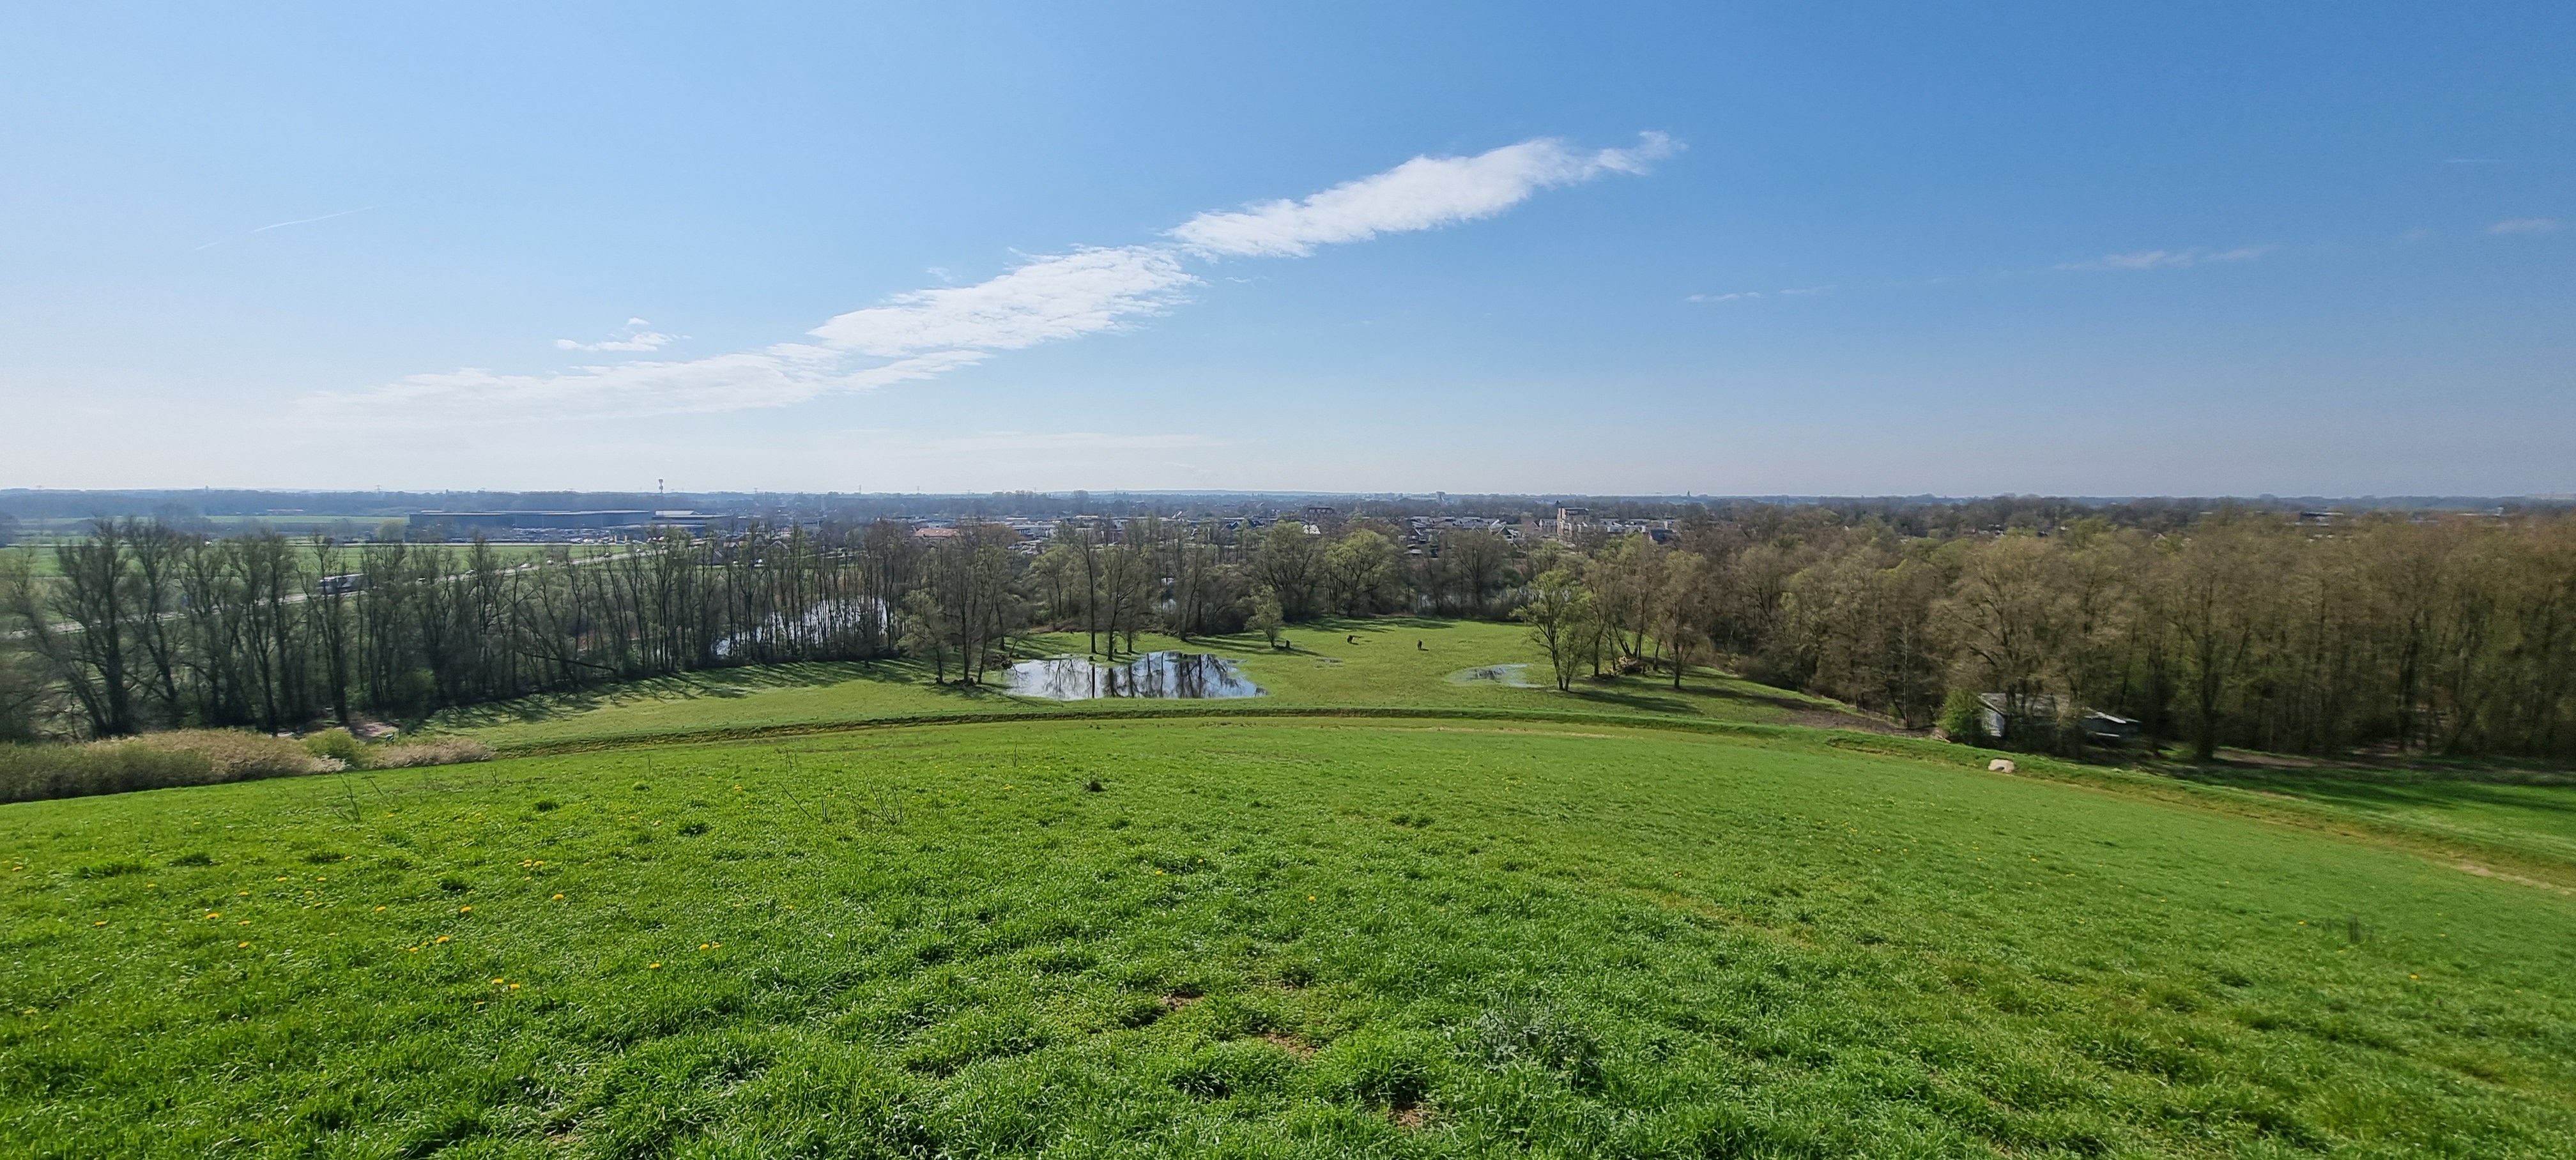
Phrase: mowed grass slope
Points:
(1362, 664)
(1257, 938)
(2532, 819)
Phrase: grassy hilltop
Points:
(1261, 936)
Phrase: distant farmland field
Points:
(41, 561)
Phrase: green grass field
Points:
(1394, 663)
(2520, 815)
(1260, 938)
(794, 912)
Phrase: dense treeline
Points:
(2449, 634)
(148, 626)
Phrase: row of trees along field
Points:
(2450, 635)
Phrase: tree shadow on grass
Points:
(1631, 701)
(1695, 688)
(2377, 790)
(690, 686)
(1408, 623)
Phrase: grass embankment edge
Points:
(2468, 855)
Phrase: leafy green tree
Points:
(925, 633)
(1963, 718)
(1266, 618)
(1359, 567)
(1290, 563)
(1559, 614)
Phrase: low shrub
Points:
(31, 773)
(338, 745)
(1963, 718)
(237, 755)
(152, 761)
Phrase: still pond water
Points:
(1159, 674)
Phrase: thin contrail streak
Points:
(282, 225)
(308, 221)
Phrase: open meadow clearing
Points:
(1262, 937)
(1361, 664)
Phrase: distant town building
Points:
(534, 519)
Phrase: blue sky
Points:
(2306, 249)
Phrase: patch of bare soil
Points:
(2484, 872)
(1288, 1043)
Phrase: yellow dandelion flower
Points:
(214, 914)
(98, 924)
(245, 922)
(442, 938)
(243, 944)
(514, 986)
(652, 966)
(702, 946)
(496, 980)
(1158, 872)
(465, 910)
(245, 894)
(380, 908)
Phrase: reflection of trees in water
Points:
(821, 623)
(1161, 675)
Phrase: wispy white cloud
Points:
(634, 336)
(1748, 295)
(2168, 259)
(1041, 300)
(1424, 193)
(1042, 441)
(778, 376)
(1046, 298)
(2525, 226)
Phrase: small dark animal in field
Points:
(1352, 639)
(1418, 645)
